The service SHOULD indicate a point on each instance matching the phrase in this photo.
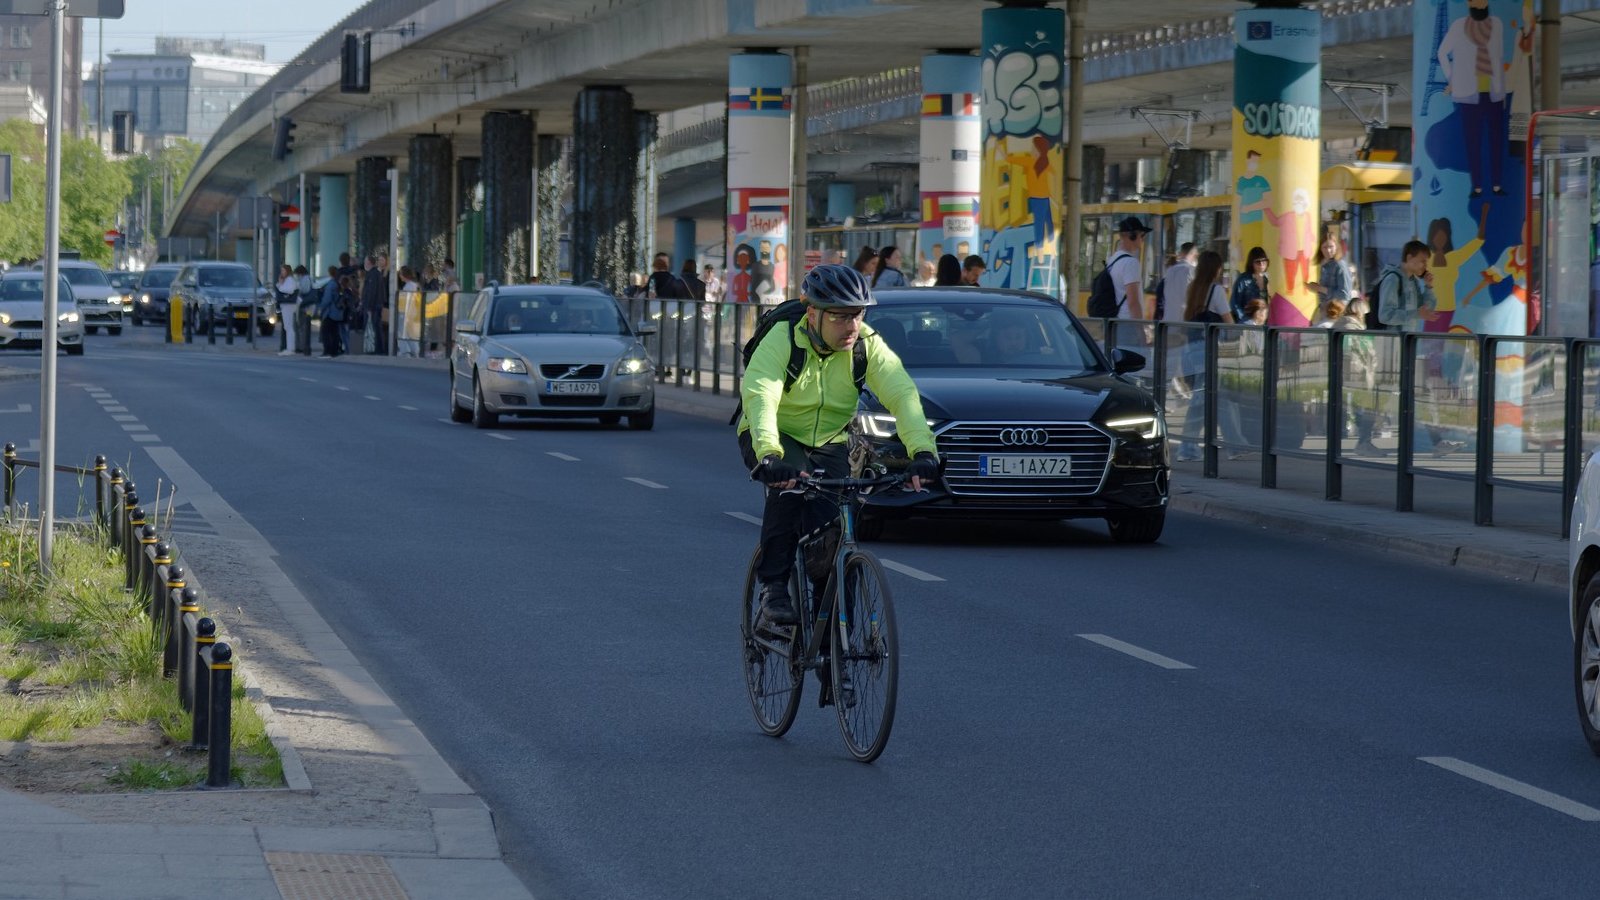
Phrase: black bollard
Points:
(165, 603)
(10, 457)
(130, 540)
(205, 635)
(100, 491)
(146, 560)
(115, 493)
(218, 744)
(159, 570)
(183, 604)
(189, 602)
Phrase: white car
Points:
(1583, 610)
(99, 303)
(22, 313)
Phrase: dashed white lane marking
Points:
(146, 438)
(561, 456)
(745, 517)
(370, 397)
(645, 482)
(1165, 662)
(409, 408)
(1512, 786)
(134, 427)
(501, 437)
(446, 421)
(116, 409)
(904, 569)
(21, 408)
(340, 387)
(304, 378)
(125, 418)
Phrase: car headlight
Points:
(5, 318)
(878, 425)
(633, 365)
(1146, 427)
(144, 298)
(510, 365)
(67, 317)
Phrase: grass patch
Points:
(77, 653)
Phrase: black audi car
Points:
(1031, 417)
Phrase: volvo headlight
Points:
(1146, 427)
(510, 365)
(67, 317)
(5, 318)
(633, 365)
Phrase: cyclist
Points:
(786, 433)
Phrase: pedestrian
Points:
(1205, 304)
(1123, 264)
(304, 309)
(411, 288)
(449, 279)
(927, 274)
(429, 279)
(375, 305)
(866, 261)
(1360, 380)
(331, 311)
(1333, 275)
(350, 300)
(1331, 312)
(948, 272)
(972, 269)
(697, 288)
(888, 274)
(713, 284)
(288, 290)
(664, 287)
(1406, 302)
(1175, 282)
(1251, 283)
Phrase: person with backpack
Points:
(808, 363)
(1117, 292)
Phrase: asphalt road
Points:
(555, 605)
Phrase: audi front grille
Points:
(962, 443)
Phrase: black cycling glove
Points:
(774, 470)
(924, 466)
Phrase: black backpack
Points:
(1103, 300)
(790, 312)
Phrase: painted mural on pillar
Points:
(1277, 122)
(1472, 80)
(1022, 163)
(952, 144)
(759, 111)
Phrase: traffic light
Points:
(355, 64)
(122, 131)
(283, 138)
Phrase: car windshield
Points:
(556, 314)
(226, 278)
(30, 290)
(159, 278)
(982, 335)
(123, 279)
(76, 275)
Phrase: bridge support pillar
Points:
(605, 150)
(759, 110)
(469, 221)
(1022, 167)
(374, 217)
(645, 190)
(507, 196)
(333, 219)
(429, 177)
(841, 203)
(551, 182)
(952, 144)
(683, 229)
(1277, 121)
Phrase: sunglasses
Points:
(842, 317)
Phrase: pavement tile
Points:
(139, 840)
(188, 865)
(452, 879)
(466, 833)
(40, 889)
(169, 888)
(345, 840)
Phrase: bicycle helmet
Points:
(833, 286)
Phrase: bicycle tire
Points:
(865, 646)
(772, 680)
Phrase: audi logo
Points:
(1024, 437)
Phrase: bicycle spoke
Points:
(866, 658)
(773, 682)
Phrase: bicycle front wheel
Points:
(770, 672)
(865, 657)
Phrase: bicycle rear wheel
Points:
(770, 672)
(865, 657)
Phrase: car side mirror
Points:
(645, 328)
(1125, 361)
(467, 326)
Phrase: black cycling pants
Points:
(787, 516)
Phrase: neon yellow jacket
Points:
(818, 408)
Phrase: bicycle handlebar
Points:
(853, 484)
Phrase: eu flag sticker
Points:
(1258, 31)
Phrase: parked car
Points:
(1032, 420)
(1583, 600)
(221, 294)
(22, 313)
(549, 350)
(99, 303)
(152, 291)
(125, 282)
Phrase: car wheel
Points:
(610, 419)
(643, 421)
(136, 320)
(74, 349)
(481, 416)
(458, 413)
(1586, 663)
(265, 329)
(1140, 527)
(869, 528)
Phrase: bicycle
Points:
(856, 632)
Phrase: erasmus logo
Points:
(1258, 31)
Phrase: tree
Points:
(22, 220)
(92, 190)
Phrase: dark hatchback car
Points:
(1032, 419)
(151, 294)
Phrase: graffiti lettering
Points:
(1282, 120)
(1026, 94)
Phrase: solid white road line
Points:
(904, 569)
(561, 456)
(745, 517)
(409, 408)
(1512, 786)
(647, 483)
(1165, 662)
(370, 397)
(501, 437)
